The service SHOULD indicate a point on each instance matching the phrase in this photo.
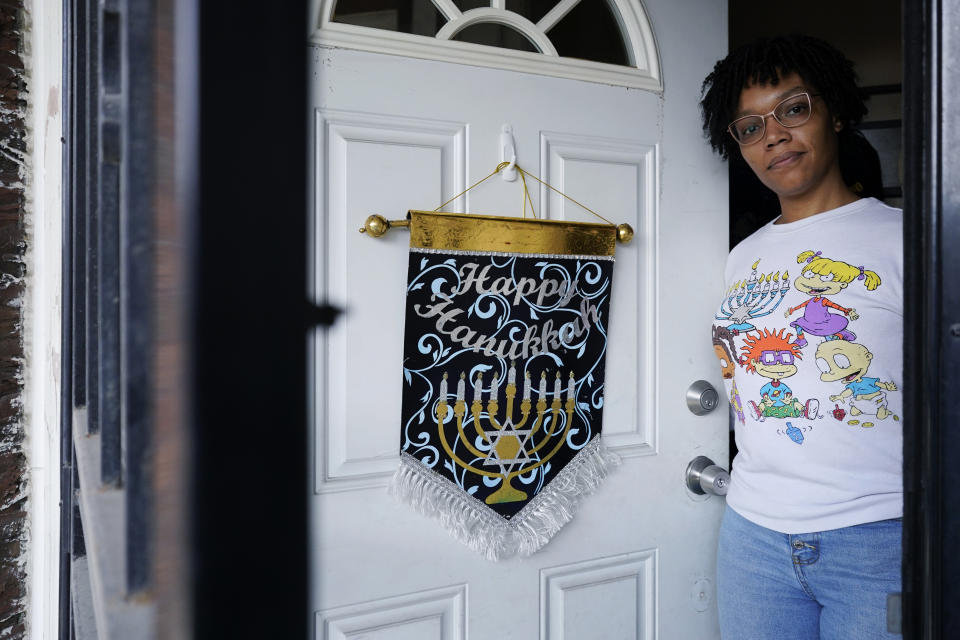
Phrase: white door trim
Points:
(500, 16)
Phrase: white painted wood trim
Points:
(319, 16)
(642, 49)
(513, 20)
(42, 307)
(449, 10)
(554, 16)
(352, 37)
(643, 44)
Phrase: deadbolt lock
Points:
(702, 398)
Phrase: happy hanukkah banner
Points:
(503, 375)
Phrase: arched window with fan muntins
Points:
(606, 41)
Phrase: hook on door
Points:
(508, 153)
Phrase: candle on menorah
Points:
(515, 445)
(755, 297)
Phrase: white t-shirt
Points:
(809, 333)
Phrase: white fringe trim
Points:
(481, 528)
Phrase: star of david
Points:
(507, 447)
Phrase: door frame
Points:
(931, 317)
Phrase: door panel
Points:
(393, 134)
(616, 594)
(364, 154)
(436, 614)
(620, 177)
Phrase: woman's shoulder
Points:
(874, 207)
(876, 221)
(858, 213)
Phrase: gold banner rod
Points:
(376, 225)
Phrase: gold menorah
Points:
(513, 445)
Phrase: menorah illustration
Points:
(514, 446)
(753, 298)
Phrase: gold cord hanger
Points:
(376, 225)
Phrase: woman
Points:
(810, 541)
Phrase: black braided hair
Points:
(764, 61)
(719, 335)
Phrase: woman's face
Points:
(791, 161)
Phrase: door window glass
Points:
(532, 10)
(495, 35)
(419, 17)
(466, 5)
(590, 31)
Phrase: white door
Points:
(395, 133)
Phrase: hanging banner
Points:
(503, 375)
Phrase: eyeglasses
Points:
(776, 357)
(792, 112)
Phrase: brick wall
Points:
(13, 510)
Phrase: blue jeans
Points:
(828, 585)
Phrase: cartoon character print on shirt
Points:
(822, 277)
(773, 355)
(752, 298)
(724, 348)
(848, 362)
